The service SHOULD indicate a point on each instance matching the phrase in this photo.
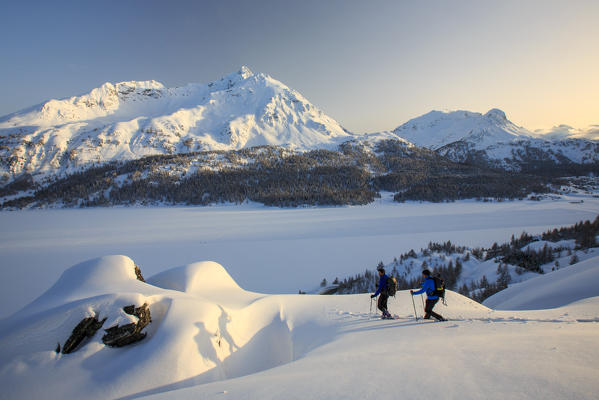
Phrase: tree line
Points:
(515, 253)
(276, 176)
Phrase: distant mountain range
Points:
(131, 120)
(492, 140)
(437, 129)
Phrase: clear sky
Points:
(371, 65)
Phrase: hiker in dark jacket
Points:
(382, 293)
(428, 287)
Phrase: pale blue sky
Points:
(371, 65)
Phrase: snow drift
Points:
(204, 328)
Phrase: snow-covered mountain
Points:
(492, 139)
(438, 128)
(129, 120)
(569, 132)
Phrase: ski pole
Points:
(370, 307)
(414, 304)
(422, 298)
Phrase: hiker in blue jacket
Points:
(382, 293)
(428, 287)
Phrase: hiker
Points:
(429, 287)
(382, 293)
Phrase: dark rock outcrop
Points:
(118, 336)
(138, 274)
(84, 329)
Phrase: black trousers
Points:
(428, 310)
(382, 302)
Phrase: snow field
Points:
(211, 338)
(266, 250)
(494, 356)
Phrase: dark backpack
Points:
(439, 287)
(391, 287)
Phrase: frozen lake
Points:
(266, 250)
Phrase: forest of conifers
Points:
(276, 176)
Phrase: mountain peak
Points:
(496, 115)
(128, 120)
(245, 72)
(439, 128)
(138, 85)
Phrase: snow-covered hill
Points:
(129, 120)
(492, 139)
(554, 289)
(211, 339)
(478, 274)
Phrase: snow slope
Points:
(129, 120)
(211, 339)
(554, 289)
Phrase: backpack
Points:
(391, 287)
(439, 287)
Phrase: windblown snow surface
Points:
(209, 338)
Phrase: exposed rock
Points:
(139, 275)
(84, 329)
(118, 336)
